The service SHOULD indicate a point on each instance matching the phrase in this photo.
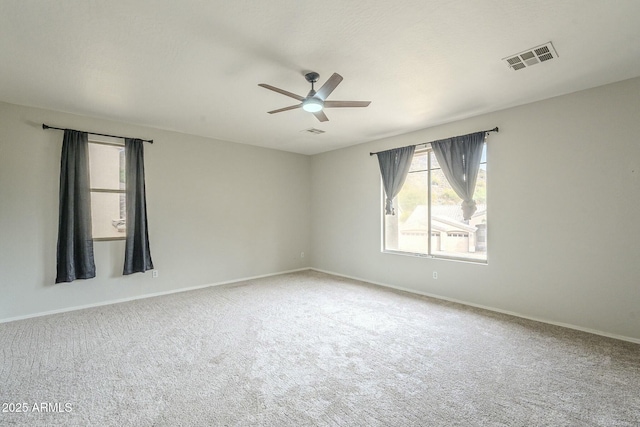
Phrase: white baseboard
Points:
(155, 294)
(497, 310)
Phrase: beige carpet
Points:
(310, 349)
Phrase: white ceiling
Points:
(194, 66)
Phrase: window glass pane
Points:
(451, 235)
(106, 167)
(479, 219)
(107, 215)
(407, 231)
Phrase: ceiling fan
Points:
(315, 102)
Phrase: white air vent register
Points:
(313, 131)
(532, 56)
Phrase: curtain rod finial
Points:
(45, 126)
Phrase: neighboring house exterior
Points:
(449, 231)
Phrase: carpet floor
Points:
(309, 349)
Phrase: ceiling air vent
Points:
(531, 56)
(313, 131)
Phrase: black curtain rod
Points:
(150, 141)
(495, 129)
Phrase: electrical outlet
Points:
(301, 254)
(154, 273)
(435, 274)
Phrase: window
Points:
(108, 198)
(428, 218)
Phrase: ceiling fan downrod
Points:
(312, 78)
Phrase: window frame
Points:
(427, 150)
(108, 142)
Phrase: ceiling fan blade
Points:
(340, 104)
(320, 115)
(329, 86)
(282, 91)
(280, 110)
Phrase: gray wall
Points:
(218, 211)
(564, 198)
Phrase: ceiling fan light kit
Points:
(312, 105)
(314, 102)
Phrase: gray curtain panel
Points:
(137, 256)
(459, 158)
(75, 241)
(394, 167)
